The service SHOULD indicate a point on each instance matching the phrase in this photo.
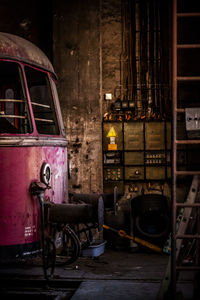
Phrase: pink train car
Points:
(33, 146)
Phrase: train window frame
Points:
(11, 122)
(57, 104)
(39, 108)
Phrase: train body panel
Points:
(19, 212)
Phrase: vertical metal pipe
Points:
(44, 261)
(124, 53)
(148, 74)
(130, 53)
(151, 51)
(155, 53)
(138, 58)
(133, 29)
(160, 62)
(100, 61)
(143, 53)
(127, 51)
(158, 42)
(174, 146)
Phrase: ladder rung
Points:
(189, 268)
(187, 236)
(188, 78)
(180, 110)
(187, 172)
(188, 46)
(186, 142)
(191, 14)
(188, 204)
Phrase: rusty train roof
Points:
(15, 47)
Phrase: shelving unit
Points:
(185, 94)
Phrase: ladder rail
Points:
(179, 236)
(174, 150)
(180, 232)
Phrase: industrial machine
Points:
(137, 154)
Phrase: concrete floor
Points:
(114, 275)
(124, 275)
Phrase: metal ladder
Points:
(180, 235)
(182, 222)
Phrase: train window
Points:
(14, 113)
(42, 101)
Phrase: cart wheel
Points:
(68, 246)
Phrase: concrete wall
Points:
(86, 51)
(111, 31)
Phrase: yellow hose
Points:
(123, 234)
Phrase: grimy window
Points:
(42, 101)
(14, 113)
